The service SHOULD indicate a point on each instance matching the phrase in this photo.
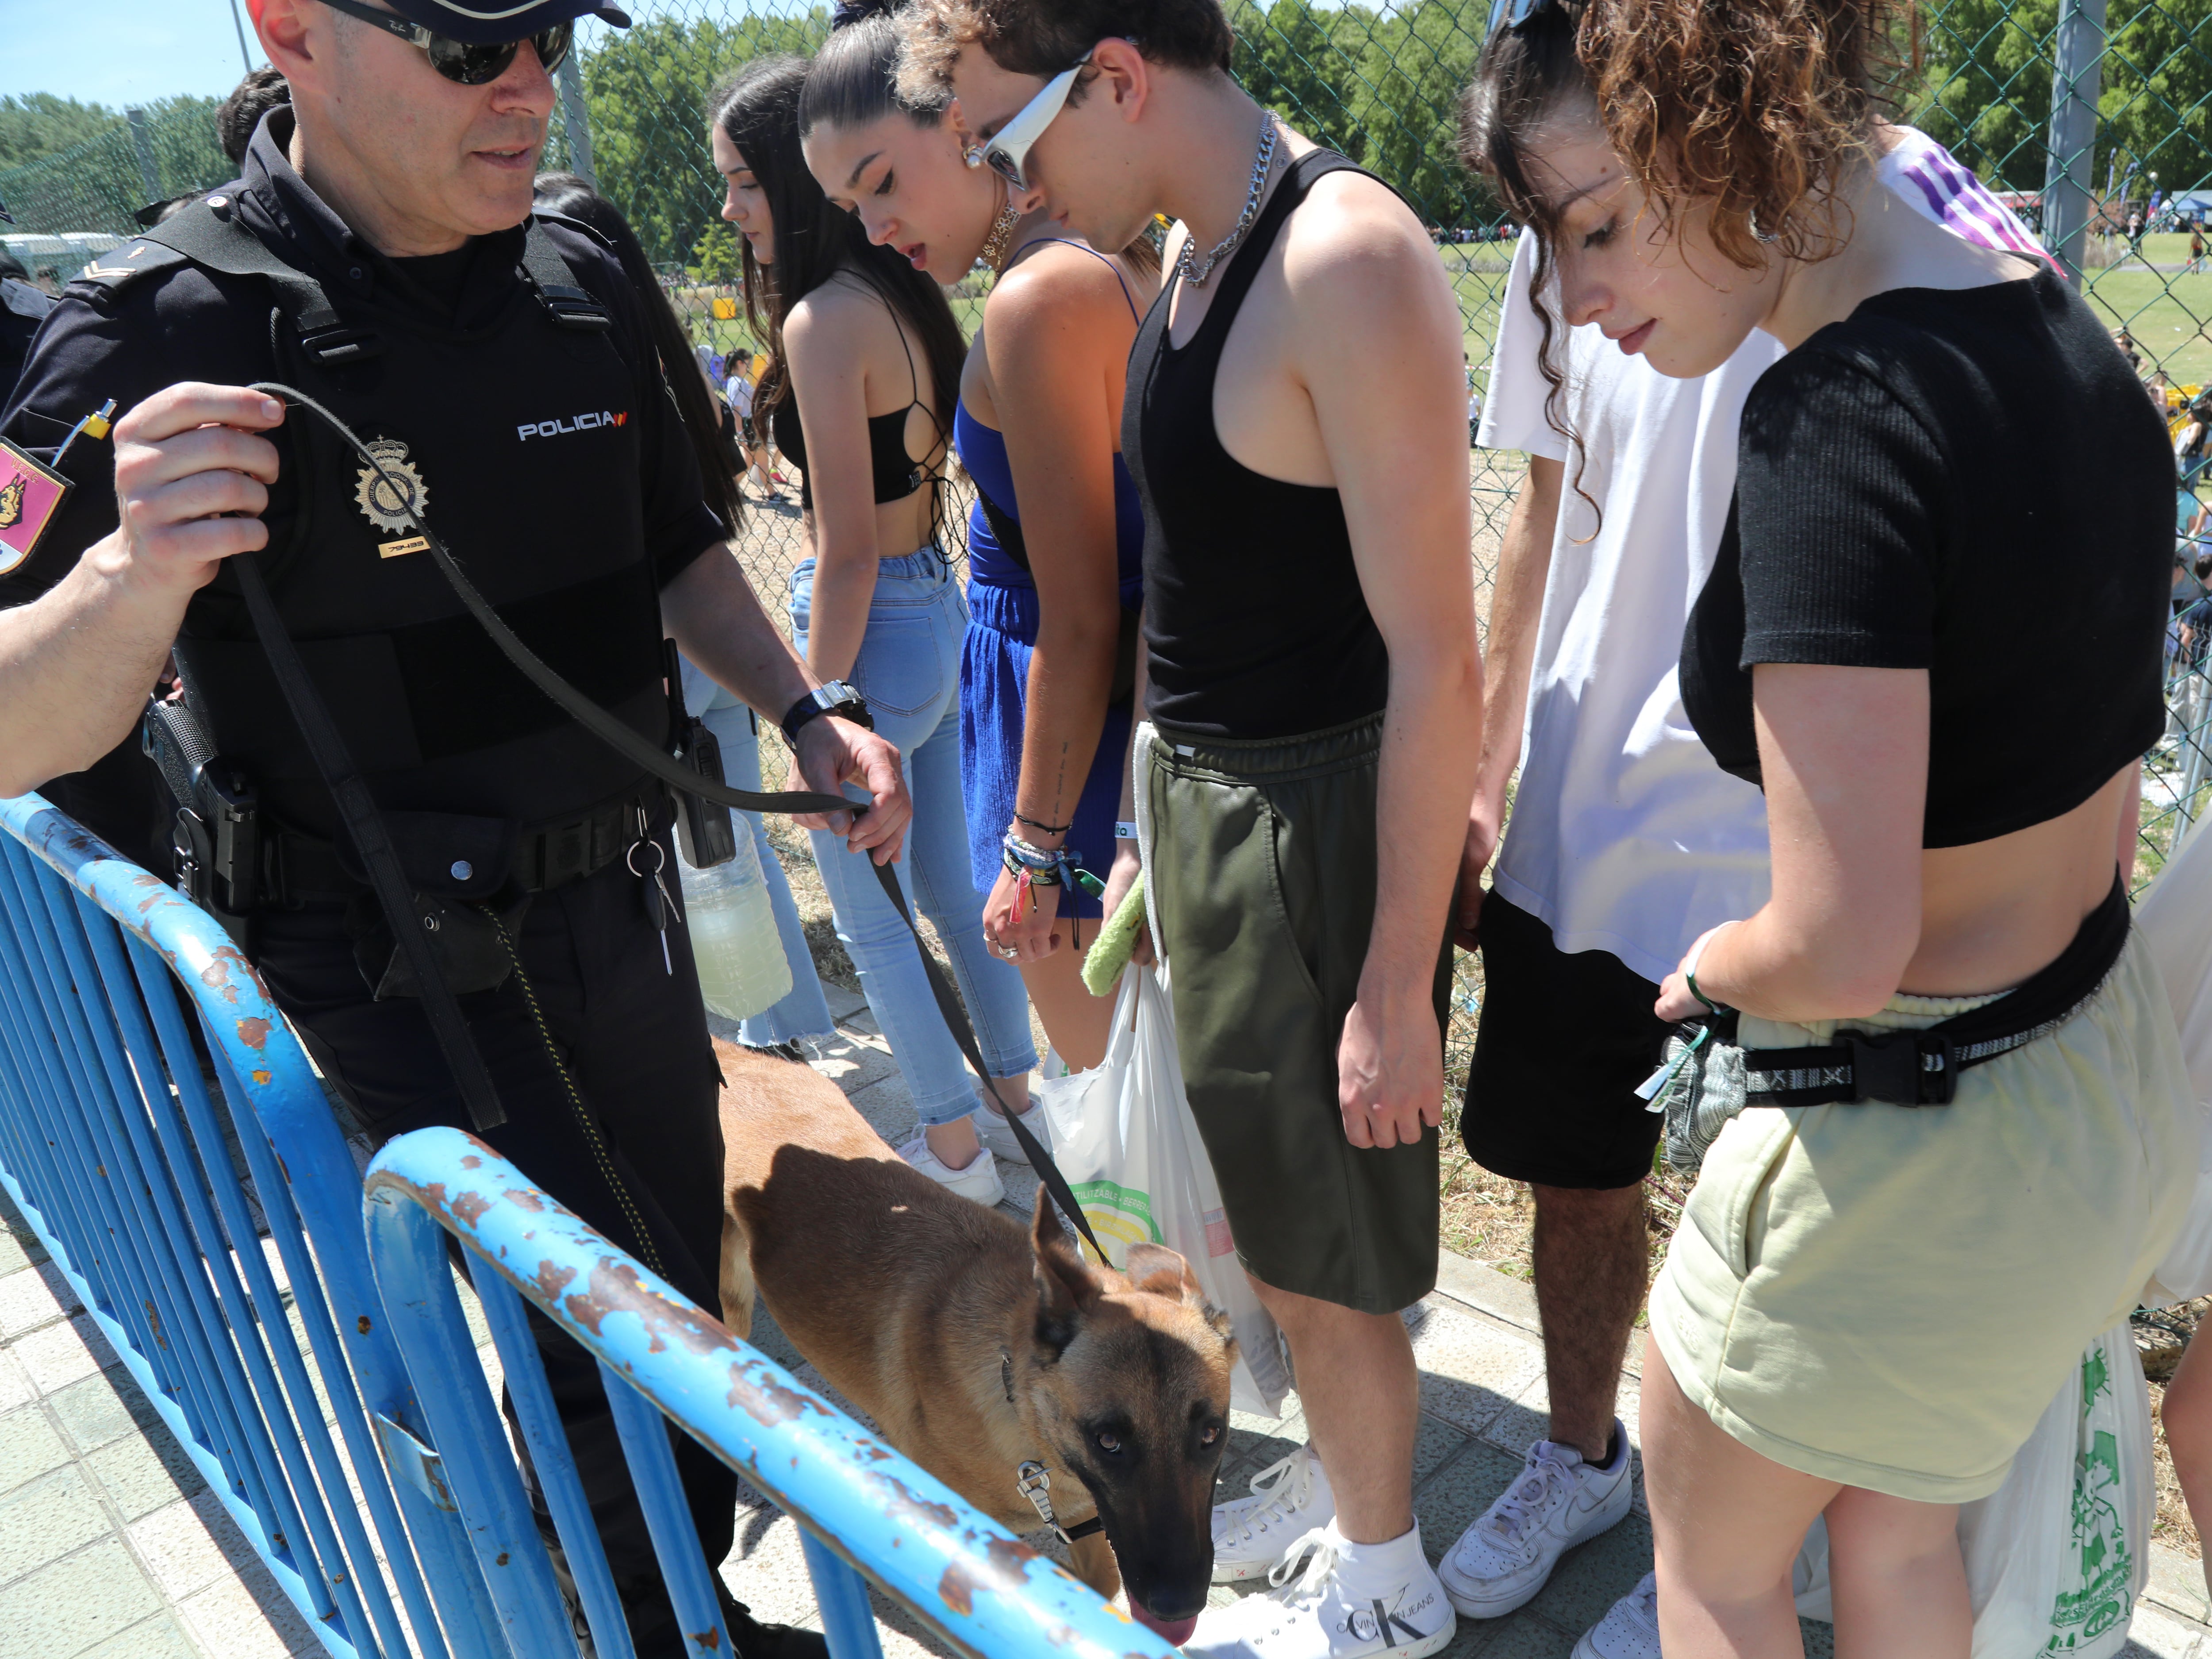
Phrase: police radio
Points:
(706, 834)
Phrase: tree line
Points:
(1381, 82)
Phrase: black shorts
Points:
(1566, 1038)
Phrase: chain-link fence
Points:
(71, 206)
(2091, 118)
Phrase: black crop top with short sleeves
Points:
(1969, 482)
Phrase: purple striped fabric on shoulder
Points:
(1962, 203)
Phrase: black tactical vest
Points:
(521, 439)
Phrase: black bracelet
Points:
(1043, 829)
(1047, 877)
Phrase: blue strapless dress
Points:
(995, 672)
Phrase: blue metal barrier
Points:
(859, 1504)
(119, 1148)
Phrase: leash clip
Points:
(1034, 1481)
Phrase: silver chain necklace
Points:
(1194, 273)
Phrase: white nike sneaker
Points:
(1629, 1629)
(1288, 1498)
(1327, 1611)
(991, 1129)
(978, 1180)
(1557, 1501)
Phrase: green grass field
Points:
(2168, 312)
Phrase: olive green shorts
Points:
(1262, 878)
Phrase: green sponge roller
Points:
(1110, 952)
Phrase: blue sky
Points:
(120, 51)
(125, 52)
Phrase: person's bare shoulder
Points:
(1056, 287)
(1352, 243)
(843, 319)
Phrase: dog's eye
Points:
(1211, 1434)
(1108, 1442)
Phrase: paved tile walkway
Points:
(110, 1545)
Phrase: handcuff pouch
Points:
(462, 893)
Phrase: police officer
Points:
(380, 254)
(22, 308)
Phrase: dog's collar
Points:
(1034, 1481)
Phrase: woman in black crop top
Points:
(1932, 634)
(867, 357)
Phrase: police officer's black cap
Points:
(493, 22)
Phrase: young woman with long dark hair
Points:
(1969, 1133)
(1055, 538)
(803, 1012)
(866, 358)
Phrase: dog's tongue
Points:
(1174, 1631)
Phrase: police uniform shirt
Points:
(142, 318)
(22, 308)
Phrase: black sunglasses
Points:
(459, 60)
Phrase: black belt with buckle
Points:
(1922, 1067)
(307, 869)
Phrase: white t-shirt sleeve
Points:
(1513, 414)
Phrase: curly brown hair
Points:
(1756, 109)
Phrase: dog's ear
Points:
(1162, 1272)
(1155, 1268)
(1067, 1287)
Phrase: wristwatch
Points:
(836, 698)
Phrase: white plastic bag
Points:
(2055, 1558)
(1124, 1136)
(2174, 918)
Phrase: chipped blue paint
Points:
(861, 1503)
(133, 1192)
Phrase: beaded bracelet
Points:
(1030, 856)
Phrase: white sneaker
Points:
(1505, 1558)
(1630, 1630)
(991, 1129)
(1330, 1611)
(1288, 1498)
(979, 1180)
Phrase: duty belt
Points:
(308, 869)
(1922, 1067)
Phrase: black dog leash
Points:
(394, 893)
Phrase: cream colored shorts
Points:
(1888, 1296)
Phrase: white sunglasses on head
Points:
(1009, 148)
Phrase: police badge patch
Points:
(379, 496)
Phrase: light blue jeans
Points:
(803, 1012)
(908, 670)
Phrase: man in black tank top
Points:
(1295, 423)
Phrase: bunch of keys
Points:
(659, 907)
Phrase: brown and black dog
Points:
(976, 1348)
